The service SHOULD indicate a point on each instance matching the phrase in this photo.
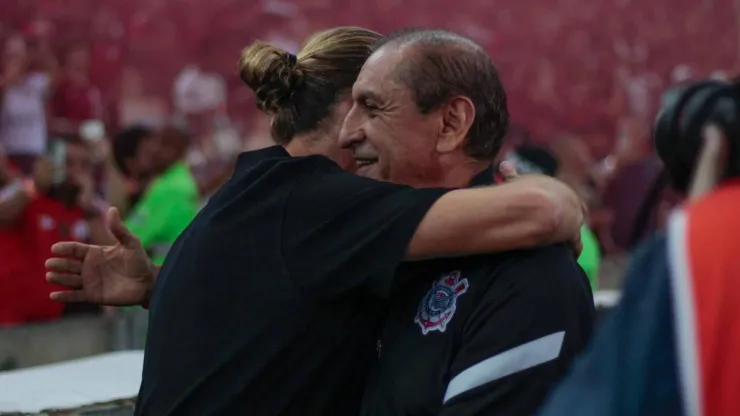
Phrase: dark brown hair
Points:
(300, 91)
(126, 143)
(445, 64)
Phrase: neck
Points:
(298, 148)
(459, 171)
(308, 144)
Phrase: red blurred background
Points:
(590, 68)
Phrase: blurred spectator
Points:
(574, 165)
(198, 96)
(35, 214)
(171, 198)
(134, 151)
(23, 92)
(625, 194)
(75, 98)
(136, 105)
(635, 176)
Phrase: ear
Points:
(457, 117)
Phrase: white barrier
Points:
(106, 378)
(73, 384)
(607, 299)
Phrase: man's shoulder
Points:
(272, 156)
(268, 165)
(265, 179)
(518, 266)
(545, 260)
(550, 272)
(557, 252)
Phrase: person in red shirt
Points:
(75, 98)
(34, 215)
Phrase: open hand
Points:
(119, 275)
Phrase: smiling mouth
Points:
(365, 162)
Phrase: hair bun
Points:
(272, 73)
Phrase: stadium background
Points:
(589, 70)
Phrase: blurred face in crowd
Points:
(78, 164)
(141, 165)
(390, 138)
(171, 146)
(15, 55)
(78, 58)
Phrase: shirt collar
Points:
(246, 160)
(485, 178)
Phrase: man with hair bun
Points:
(268, 303)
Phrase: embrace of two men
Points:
(363, 265)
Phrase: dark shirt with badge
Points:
(270, 301)
(481, 335)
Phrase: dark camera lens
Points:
(685, 111)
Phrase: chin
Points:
(370, 171)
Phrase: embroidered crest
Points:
(439, 304)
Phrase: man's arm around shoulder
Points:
(342, 231)
(528, 212)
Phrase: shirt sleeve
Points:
(536, 315)
(630, 366)
(343, 232)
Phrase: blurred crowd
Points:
(134, 104)
(62, 165)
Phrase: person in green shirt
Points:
(590, 258)
(536, 160)
(170, 200)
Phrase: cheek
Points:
(345, 159)
(145, 161)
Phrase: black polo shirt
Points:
(481, 335)
(269, 302)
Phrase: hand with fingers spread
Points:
(508, 171)
(119, 275)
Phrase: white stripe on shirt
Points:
(684, 312)
(511, 361)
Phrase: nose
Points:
(351, 133)
(351, 139)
